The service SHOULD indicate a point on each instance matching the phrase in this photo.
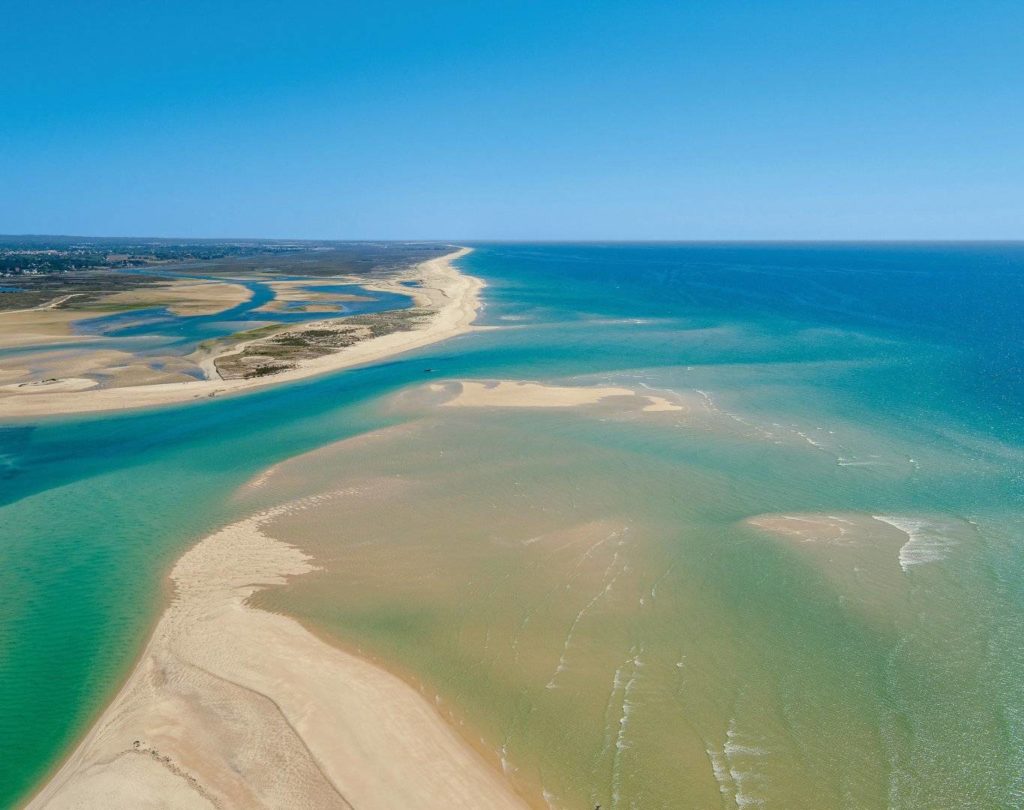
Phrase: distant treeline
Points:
(56, 254)
(42, 255)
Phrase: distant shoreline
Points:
(452, 297)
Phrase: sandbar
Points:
(184, 296)
(235, 707)
(524, 394)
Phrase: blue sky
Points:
(517, 120)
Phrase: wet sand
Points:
(452, 299)
(38, 326)
(184, 296)
(45, 373)
(522, 394)
(314, 296)
(231, 706)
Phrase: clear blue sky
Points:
(514, 120)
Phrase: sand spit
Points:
(519, 394)
(451, 297)
(234, 707)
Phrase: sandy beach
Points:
(451, 298)
(234, 707)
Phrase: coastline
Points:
(202, 722)
(452, 297)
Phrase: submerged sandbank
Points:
(449, 298)
(231, 706)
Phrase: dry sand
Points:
(38, 326)
(234, 707)
(520, 394)
(316, 295)
(183, 296)
(452, 297)
(43, 386)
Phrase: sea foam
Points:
(927, 540)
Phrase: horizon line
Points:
(539, 241)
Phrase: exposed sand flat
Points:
(41, 325)
(234, 707)
(315, 293)
(54, 384)
(45, 366)
(171, 369)
(14, 375)
(184, 296)
(72, 370)
(520, 394)
(451, 297)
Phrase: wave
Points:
(927, 540)
(735, 768)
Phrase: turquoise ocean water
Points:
(863, 380)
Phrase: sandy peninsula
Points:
(449, 298)
(234, 707)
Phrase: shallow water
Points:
(582, 590)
